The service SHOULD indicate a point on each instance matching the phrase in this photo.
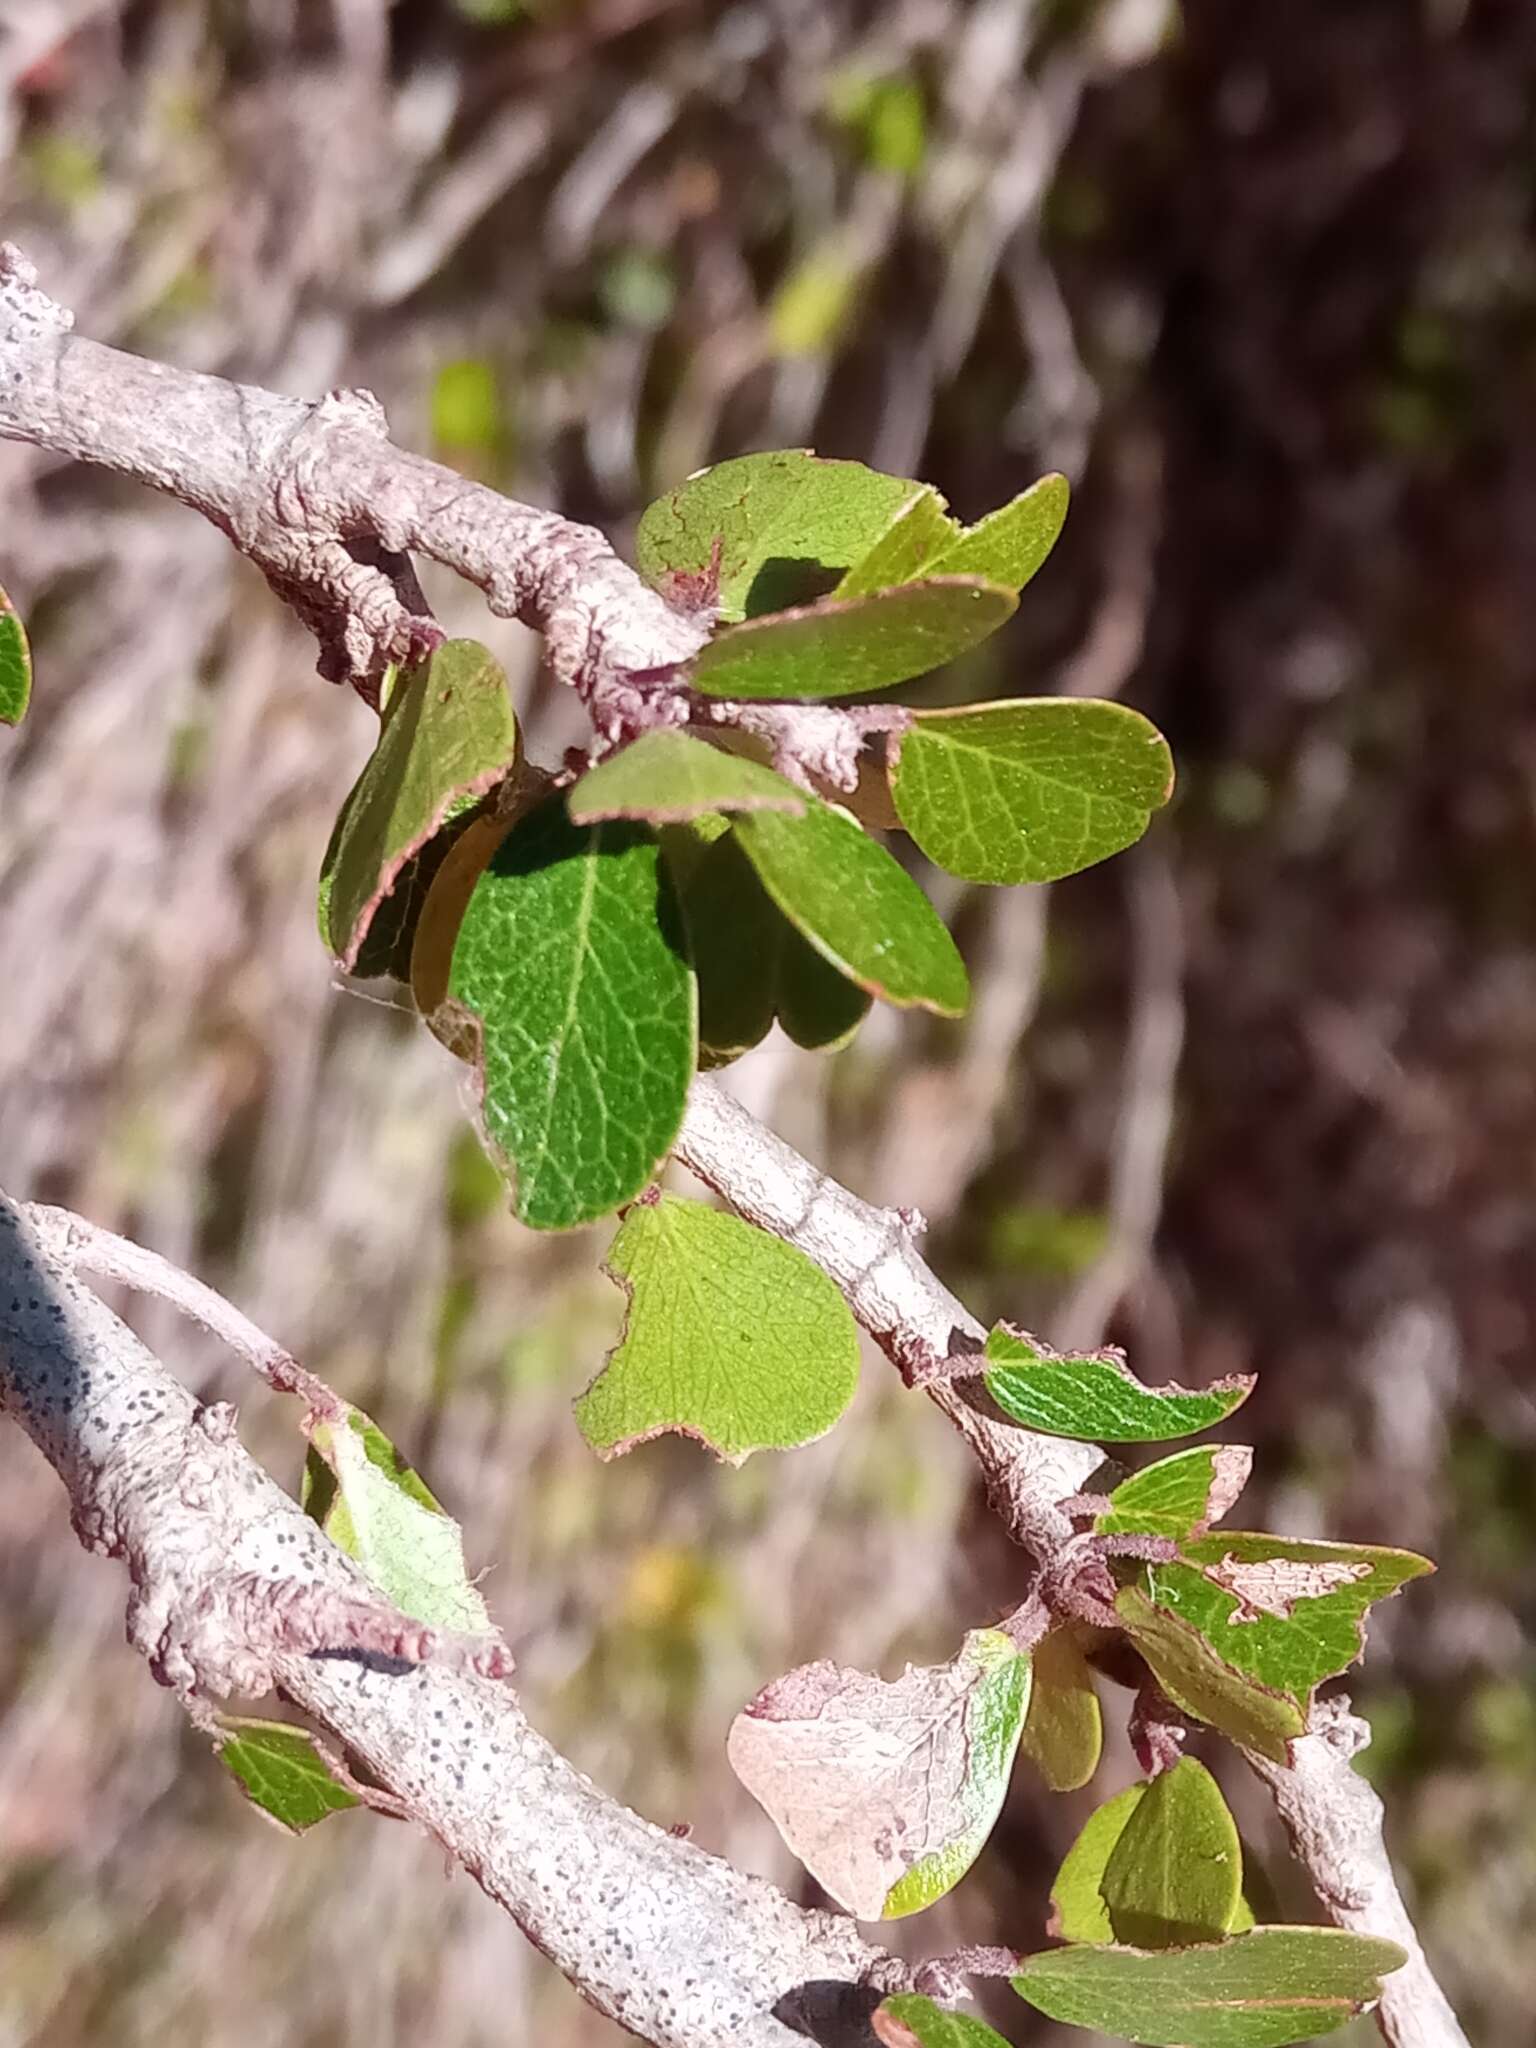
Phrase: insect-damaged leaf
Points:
(841, 647)
(857, 906)
(670, 778)
(911, 2021)
(732, 1336)
(569, 983)
(751, 535)
(1259, 1990)
(887, 1792)
(15, 665)
(1031, 789)
(1005, 547)
(1094, 1396)
(1064, 1732)
(448, 737)
(377, 1508)
(1181, 1495)
(281, 1771)
(1278, 1614)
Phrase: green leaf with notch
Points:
(732, 1336)
(1178, 1496)
(887, 1791)
(570, 973)
(671, 778)
(746, 534)
(15, 665)
(909, 548)
(280, 1771)
(857, 906)
(1030, 789)
(1064, 1735)
(1009, 545)
(911, 2021)
(1285, 1615)
(1095, 1397)
(376, 1507)
(1175, 1875)
(841, 647)
(449, 736)
(1188, 1667)
(1260, 1990)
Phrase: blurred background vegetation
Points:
(1261, 1095)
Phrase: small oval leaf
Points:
(857, 906)
(671, 778)
(1178, 1496)
(570, 971)
(1010, 544)
(1064, 1735)
(845, 646)
(1260, 1990)
(1029, 790)
(1175, 1876)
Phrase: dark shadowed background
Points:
(1261, 279)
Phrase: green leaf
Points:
(769, 520)
(449, 736)
(843, 646)
(732, 1336)
(15, 665)
(1176, 1874)
(1284, 1614)
(911, 2021)
(569, 969)
(671, 778)
(921, 532)
(1194, 1675)
(1031, 789)
(377, 1508)
(1258, 1990)
(1178, 1496)
(857, 906)
(1009, 545)
(819, 1008)
(887, 1792)
(750, 961)
(1095, 1397)
(1078, 1911)
(1064, 1734)
(281, 1771)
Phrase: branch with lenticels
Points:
(331, 511)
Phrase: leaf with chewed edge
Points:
(887, 1791)
(281, 1772)
(15, 665)
(909, 2020)
(1265, 1989)
(449, 736)
(1094, 1396)
(672, 778)
(1195, 1676)
(1282, 1614)
(732, 1336)
(1178, 1496)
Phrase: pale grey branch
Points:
(236, 1590)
